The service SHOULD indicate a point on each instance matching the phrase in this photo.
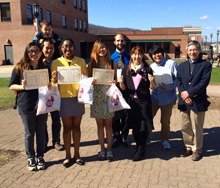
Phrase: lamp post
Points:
(211, 35)
(217, 40)
(205, 43)
(36, 13)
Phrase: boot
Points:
(139, 154)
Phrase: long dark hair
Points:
(24, 63)
(141, 51)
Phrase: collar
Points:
(49, 60)
(194, 61)
(162, 63)
(139, 67)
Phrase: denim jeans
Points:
(32, 124)
(56, 126)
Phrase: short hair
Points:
(119, 34)
(45, 22)
(155, 49)
(46, 40)
(63, 40)
(193, 42)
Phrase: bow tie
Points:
(139, 71)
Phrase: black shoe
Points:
(125, 142)
(40, 163)
(79, 161)
(31, 164)
(132, 156)
(115, 143)
(139, 155)
(67, 165)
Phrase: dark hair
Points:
(24, 63)
(141, 51)
(45, 22)
(46, 40)
(193, 42)
(155, 49)
(63, 40)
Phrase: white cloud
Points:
(204, 17)
(170, 8)
(210, 28)
(218, 27)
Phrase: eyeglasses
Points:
(68, 47)
(33, 51)
(193, 50)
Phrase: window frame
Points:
(30, 21)
(64, 21)
(47, 11)
(5, 19)
(63, 2)
(76, 24)
(80, 25)
(84, 6)
(75, 4)
(80, 5)
(85, 27)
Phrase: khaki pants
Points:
(166, 112)
(192, 130)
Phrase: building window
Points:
(76, 24)
(166, 47)
(64, 22)
(142, 45)
(5, 12)
(80, 5)
(48, 15)
(85, 29)
(75, 3)
(30, 15)
(84, 6)
(40, 18)
(149, 46)
(63, 1)
(80, 25)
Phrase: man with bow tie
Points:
(120, 130)
(193, 78)
(163, 97)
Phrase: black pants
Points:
(56, 126)
(119, 125)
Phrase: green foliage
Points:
(215, 77)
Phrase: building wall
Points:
(20, 33)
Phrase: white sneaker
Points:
(148, 143)
(165, 144)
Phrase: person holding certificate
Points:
(100, 58)
(164, 95)
(135, 81)
(70, 110)
(27, 101)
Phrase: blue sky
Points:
(146, 14)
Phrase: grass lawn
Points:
(7, 97)
(215, 77)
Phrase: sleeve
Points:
(53, 68)
(37, 38)
(179, 82)
(203, 83)
(57, 39)
(15, 78)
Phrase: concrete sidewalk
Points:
(160, 168)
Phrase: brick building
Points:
(173, 40)
(69, 18)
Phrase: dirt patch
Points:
(7, 155)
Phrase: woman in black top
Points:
(27, 102)
(135, 82)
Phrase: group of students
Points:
(135, 83)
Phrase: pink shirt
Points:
(136, 80)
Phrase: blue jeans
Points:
(212, 60)
(56, 126)
(32, 124)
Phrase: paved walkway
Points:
(160, 168)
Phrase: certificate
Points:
(36, 78)
(103, 76)
(163, 76)
(119, 73)
(69, 75)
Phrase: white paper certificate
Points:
(103, 76)
(119, 73)
(36, 78)
(69, 75)
(163, 76)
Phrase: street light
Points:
(205, 43)
(211, 35)
(217, 40)
(36, 13)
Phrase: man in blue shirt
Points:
(48, 51)
(193, 77)
(119, 126)
(163, 97)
